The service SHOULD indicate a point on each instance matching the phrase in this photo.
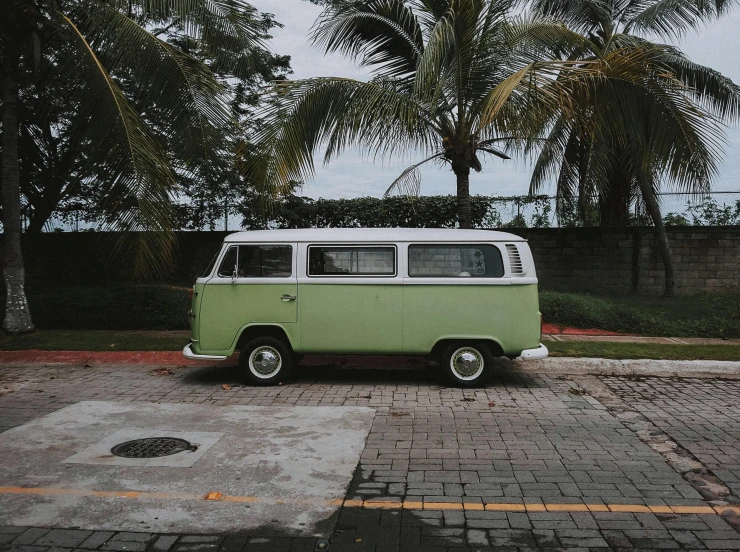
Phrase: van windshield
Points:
(209, 268)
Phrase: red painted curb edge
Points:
(82, 358)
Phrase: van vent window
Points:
(514, 259)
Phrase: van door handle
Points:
(286, 298)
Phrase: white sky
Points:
(353, 175)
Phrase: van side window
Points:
(351, 261)
(452, 261)
(258, 261)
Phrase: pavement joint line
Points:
(396, 503)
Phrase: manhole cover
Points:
(152, 447)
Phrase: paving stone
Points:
(163, 543)
(132, 537)
(30, 536)
(97, 539)
(121, 546)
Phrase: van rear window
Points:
(455, 261)
(351, 261)
(258, 261)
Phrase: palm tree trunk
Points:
(17, 313)
(653, 209)
(464, 215)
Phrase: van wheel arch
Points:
(251, 332)
(493, 346)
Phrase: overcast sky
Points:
(353, 175)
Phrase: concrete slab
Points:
(274, 468)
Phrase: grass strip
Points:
(95, 340)
(657, 351)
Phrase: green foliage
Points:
(704, 315)
(637, 134)
(405, 212)
(122, 103)
(112, 307)
(710, 213)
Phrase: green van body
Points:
(395, 314)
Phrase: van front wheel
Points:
(466, 364)
(266, 360)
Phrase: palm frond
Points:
(179, 92)
(712, 90)
(408, 182)
(138, 177)
(673, 18)
(226, 29)
(383, 34)
(339, 113)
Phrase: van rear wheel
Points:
(266, 360)
(466, 364)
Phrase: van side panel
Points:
(350, 318)
(226, 308)
(433, 312)
(525, 319)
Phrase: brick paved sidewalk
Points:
(493, 464)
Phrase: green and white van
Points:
(461, 296)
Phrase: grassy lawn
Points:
(94, 340)
(705, 315)
(600, 349)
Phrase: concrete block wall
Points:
(362, 262)
(438, 261)
(598, 260)
(601, 260)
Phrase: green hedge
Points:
(164, 307)
(703, 315)
(114, 307)
(404, 212)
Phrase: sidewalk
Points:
(553, 332)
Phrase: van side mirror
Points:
(234, 274)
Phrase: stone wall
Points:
(600, 260)
(613, 260)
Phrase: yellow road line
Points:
(385, 503)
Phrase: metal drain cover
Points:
(152, 447)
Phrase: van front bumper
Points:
(535, 354)
(188, 353)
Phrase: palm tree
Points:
(90, 51)
(456, 79)
(635, 136)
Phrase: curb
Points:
(632, 367)
(554, 365)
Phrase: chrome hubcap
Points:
(265, 361)
(467, 363)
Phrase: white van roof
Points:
(372, 235)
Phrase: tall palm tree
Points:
(635, 136)
(455, 79)
(88, 50)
